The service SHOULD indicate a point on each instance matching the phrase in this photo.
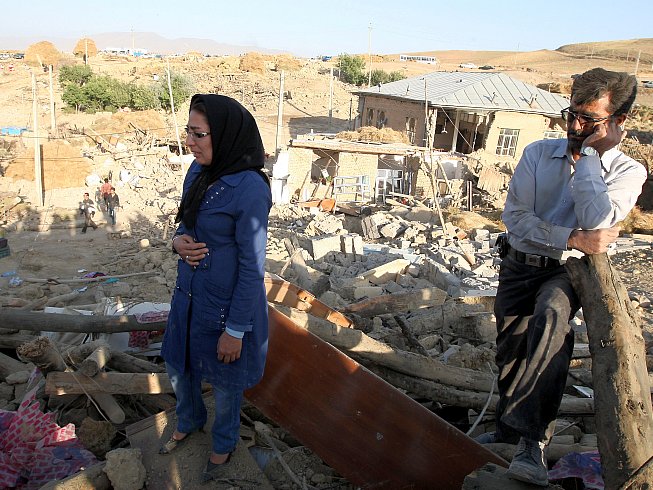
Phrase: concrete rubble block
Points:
(6, 391)
(481, 246)
(320, 246)
(420, 240)
(125, 469)
(31, 291)
(484, 270)
(392, 287)
(423, 215)
(481, 234)
(405, 280)
(18, 377)
(438, 274)
(328, 223)
(392, 230)
(386, 272)
(370, 228)
(351, 243)
(58, 289)
(367, 292)
(413, 270)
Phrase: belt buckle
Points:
(532, 259)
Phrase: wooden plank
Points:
(365, 429)
(621, 388)
(402, 301)
(58, 383)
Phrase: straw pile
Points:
(369, 133)
(43, 53)
(85, 46)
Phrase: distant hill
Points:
(153, 43)
(622, 50)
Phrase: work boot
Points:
(528, 464)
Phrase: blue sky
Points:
(309, 28)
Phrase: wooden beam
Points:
(624, 424)
(52, 322)
(398, 302)
(58, 383)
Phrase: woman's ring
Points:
(186, 257)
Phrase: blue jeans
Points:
(192, 415)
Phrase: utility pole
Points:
(426, 116)
(279, 115)
(331, 99)
(53, 121)
(38, 170)
(639, 53)
(369, 53)
(133, 44)
(174, 118)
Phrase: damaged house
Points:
(464, 112)
(444, 116)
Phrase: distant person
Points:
(113, 203)
(218, 322)
(105, 190)
(87, 208)
(565, 194)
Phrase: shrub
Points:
(182, 89)
(351, 69)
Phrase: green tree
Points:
(351, 69)
(396, 76)
(75, 74)
(182, 89)
(74, 96)
(143, 98)
(380, 76)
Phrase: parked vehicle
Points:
(648, 84)
(467, 65)
(486, 67)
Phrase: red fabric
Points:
(34, 449)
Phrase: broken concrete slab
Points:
(386, 272)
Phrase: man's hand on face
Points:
(605, 135)
(593, 242)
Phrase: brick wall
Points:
(300, 161)
(359, 164)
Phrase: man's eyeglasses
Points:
(195, 134)
(582, 119)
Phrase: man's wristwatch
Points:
(588, 151)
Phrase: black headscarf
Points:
(236, 145)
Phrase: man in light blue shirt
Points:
(565, 194)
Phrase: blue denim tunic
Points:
(227, 288)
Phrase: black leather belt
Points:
(533, 259)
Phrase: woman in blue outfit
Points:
(218, 323)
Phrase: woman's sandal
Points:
(172, 443)
(213, 471)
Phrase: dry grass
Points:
(638, 221)
(253, 63)
(369, 133)
(287, 62)
(85, 46)
(43, 53)
(469, 220)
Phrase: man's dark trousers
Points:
(535, 342)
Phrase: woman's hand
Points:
(189, 250)
(229, 348)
